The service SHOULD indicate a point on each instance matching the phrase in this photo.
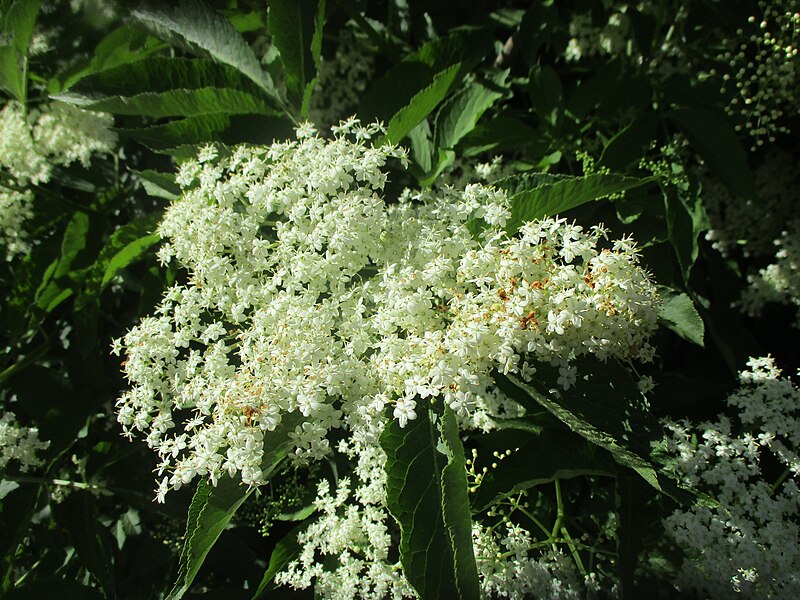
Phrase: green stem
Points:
(780, 480)
(19, 365)
(560, 511)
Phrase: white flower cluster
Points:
(765, 69)
(55, 134)
(310, 299)
(589, 40)
(19, 444)
(31, 145)
(352, 530)
(509, 567)
(749, 544)
(15, 210)
(778, 281)
(754, 224)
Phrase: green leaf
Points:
(546, 457)
(602, 410)
(679, 314)
(427, 495)
(716, 142)
(550, 199)
(583, 415)
(52, 587)
(629, 144)
(467, 47)
(460, 113)
(686, 220)
(211, 510)
(503, 132)
(56, 286)
(296, 28)
(189, 130)
(19, 23)
(10, 73)
(202, 31)
(77, 514)
(120, 47)
(125, 245)
(159, 185)
(175, 103)
(16, 510)
(285, 551)
(546, 94)
(164, 87)
(421, 105)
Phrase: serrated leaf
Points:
(460, 113)
(296, 28)
(546, 94)
(189, 130)
(717, 144)
(421, 105)
(548, 456)
(466, 47)
(592, 421)
(525, 182)
(678, 313)
(211, 510)
(602, 411)
(427, 495)
(550, 199)
(164, 87)
(120, 47)
(201, 30)
(629, 144)
(212, 507)
(176, 103)
(503, 132)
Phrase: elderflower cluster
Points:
(754, 223)
(589, 40)
(748, 544)
(15, 209)
(353, 534)
(313, 304)
(779, 281)
(19, 444)
(31, 145)
(765, 69)
(508, 569)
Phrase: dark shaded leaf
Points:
(716, 142)
(427, 495)
(546, 457)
